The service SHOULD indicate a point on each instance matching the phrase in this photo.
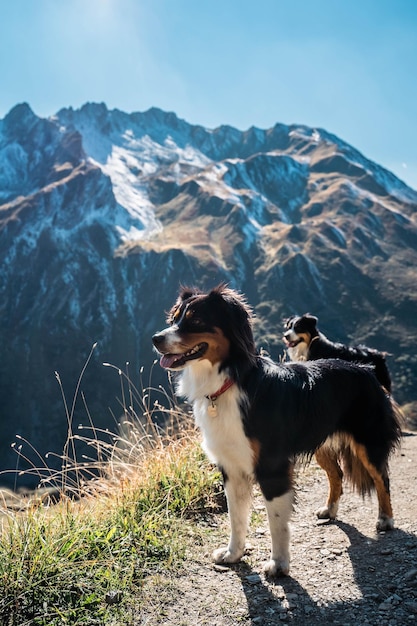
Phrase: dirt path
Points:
(342, 573)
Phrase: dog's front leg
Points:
(238, 490)
(279, 512)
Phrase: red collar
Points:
(226, 385)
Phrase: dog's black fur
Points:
(305, 342)
(256, 416)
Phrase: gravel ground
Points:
(342, 572)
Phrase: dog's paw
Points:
(277, 567)
(327, 512)
(384, 523)
(224, 555)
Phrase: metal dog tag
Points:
(212, 409)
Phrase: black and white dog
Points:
(305, 342)
(257, 416)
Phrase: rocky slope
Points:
(103, 214)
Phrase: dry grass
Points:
(122, 515)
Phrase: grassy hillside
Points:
(83, 560)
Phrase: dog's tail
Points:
(355, 472)
(359, 461)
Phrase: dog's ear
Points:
(187, 292)
(312, 320)
(237, 319)
(237, 304)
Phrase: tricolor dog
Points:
(305, 342)
(257, 416)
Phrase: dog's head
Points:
(214, 326)
(300, 330)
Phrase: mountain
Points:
(103, 214)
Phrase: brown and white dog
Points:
(257, 416)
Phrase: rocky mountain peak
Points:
(19, 119)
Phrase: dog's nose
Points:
(157, 339)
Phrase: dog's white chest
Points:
(224, 439)
(298, 353)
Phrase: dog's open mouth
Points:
(292, 344)
(172, 361)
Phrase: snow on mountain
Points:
(129, 155)
(134, 149)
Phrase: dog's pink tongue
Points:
(167, 360)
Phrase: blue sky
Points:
(347, 66)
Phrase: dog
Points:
(257, 416)
(305, 342)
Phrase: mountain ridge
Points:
(104, 213)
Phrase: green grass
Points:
(81, 562)
(84, 561)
